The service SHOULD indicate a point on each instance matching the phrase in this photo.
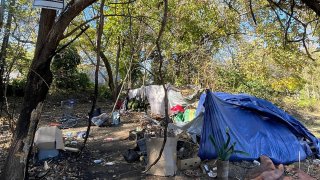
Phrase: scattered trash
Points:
(96, 112)
(109, 139)
(55, 124)
(206, 168)
(72, 149)
(190, 163)
(46, 166)
(48, 140)
(69, 135)
(99, 120)
(142, 146)
(257, 163)
(131, 156)
(68, 106)
(81, 134)
(42, 174)
(316, 161)
(115, 118)
(192, 173)
(135, 135)
(110, 163)
(212, 174)
(97, 161)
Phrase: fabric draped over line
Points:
(155, 96)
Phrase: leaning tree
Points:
(51, 31)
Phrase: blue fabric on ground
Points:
(258, 127)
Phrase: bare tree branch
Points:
(67, 44)
(252, 13)
(22, 40)
(289, 21)
(305, 45)
(278, 6)
(79, 27)
(129, 2)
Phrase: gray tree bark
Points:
(38, 82)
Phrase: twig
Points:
(305, 45)
(252, 14)
(278, 6)
(289, 21)
(40, 77)
(67, 44)
(132, 1)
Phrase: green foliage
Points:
(309, 104)
(66, 75)
(226, 150)
(19, 83)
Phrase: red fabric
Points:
(119, 104)
(177, 108)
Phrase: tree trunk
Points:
(110, 74)
(4, 46)
(21, 155)
(38, 82)
(108, 68)
(2, 4)
(116, 90)
(35, 92)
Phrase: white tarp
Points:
(49, 4)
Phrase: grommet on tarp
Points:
(49, 4)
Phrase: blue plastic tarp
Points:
(258, 127)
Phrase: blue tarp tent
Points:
(258, 127)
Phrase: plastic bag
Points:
(179, 117)
(131, 156)
(99, 120)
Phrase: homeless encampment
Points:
(258, 127)
(155, 96)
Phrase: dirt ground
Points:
(108, 144)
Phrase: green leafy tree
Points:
(66, 75)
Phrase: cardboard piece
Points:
(190, 163)
(47, 138)
(166, 166)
